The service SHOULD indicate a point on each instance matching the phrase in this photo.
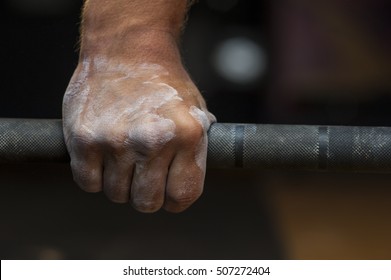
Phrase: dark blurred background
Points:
(256, 61)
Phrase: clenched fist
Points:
(138, 132)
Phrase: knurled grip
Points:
(263, 146)
(32, 140)
(301, 147)
(284, 147)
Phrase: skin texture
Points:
(135, 125)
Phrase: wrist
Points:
(134, 45)
(137, 29)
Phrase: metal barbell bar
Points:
(262, 146)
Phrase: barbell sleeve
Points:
(261, 146)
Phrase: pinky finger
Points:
(185, 183)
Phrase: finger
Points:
(87, 170)
(185, 182)
(117, 178)
(187, 172)
(148, 186)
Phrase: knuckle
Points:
(81, 137)
(182, 200)
(149, 137)
(181, 196)
(190, 132)
(115, 143)
(87, 179)
(112, 138)
(117, 194)
(146, 206)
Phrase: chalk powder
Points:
(146, 123)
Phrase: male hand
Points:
(138, 132)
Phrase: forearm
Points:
(132, 28)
